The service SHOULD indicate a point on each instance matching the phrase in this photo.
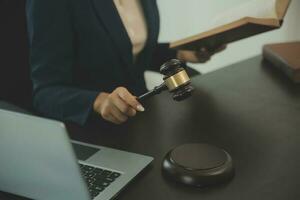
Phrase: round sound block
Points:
(198, 165)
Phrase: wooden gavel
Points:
(176, 80)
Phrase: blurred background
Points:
(180, 19)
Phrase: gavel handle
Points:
(156, 90)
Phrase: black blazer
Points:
(79, 48)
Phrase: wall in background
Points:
(180, 18)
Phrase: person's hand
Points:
(201, 56)
(117, 106)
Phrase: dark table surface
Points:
(249, 109)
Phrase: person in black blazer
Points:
(82, 62)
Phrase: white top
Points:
(132, 15)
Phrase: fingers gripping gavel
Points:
(176, 80)
(120, 104)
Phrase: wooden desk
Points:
(248, 109)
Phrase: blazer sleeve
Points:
(51, 60)
(161, 54)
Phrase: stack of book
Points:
(286, 57)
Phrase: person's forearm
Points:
(65, 103)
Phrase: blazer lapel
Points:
(152, 19)
(109, 16)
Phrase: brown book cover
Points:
(263, 16)
(286, 57)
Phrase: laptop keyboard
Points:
(97, 179)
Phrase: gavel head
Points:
(176, 79)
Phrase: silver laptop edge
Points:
(128, 164)
(38, 161)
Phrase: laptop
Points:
(39, 161)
